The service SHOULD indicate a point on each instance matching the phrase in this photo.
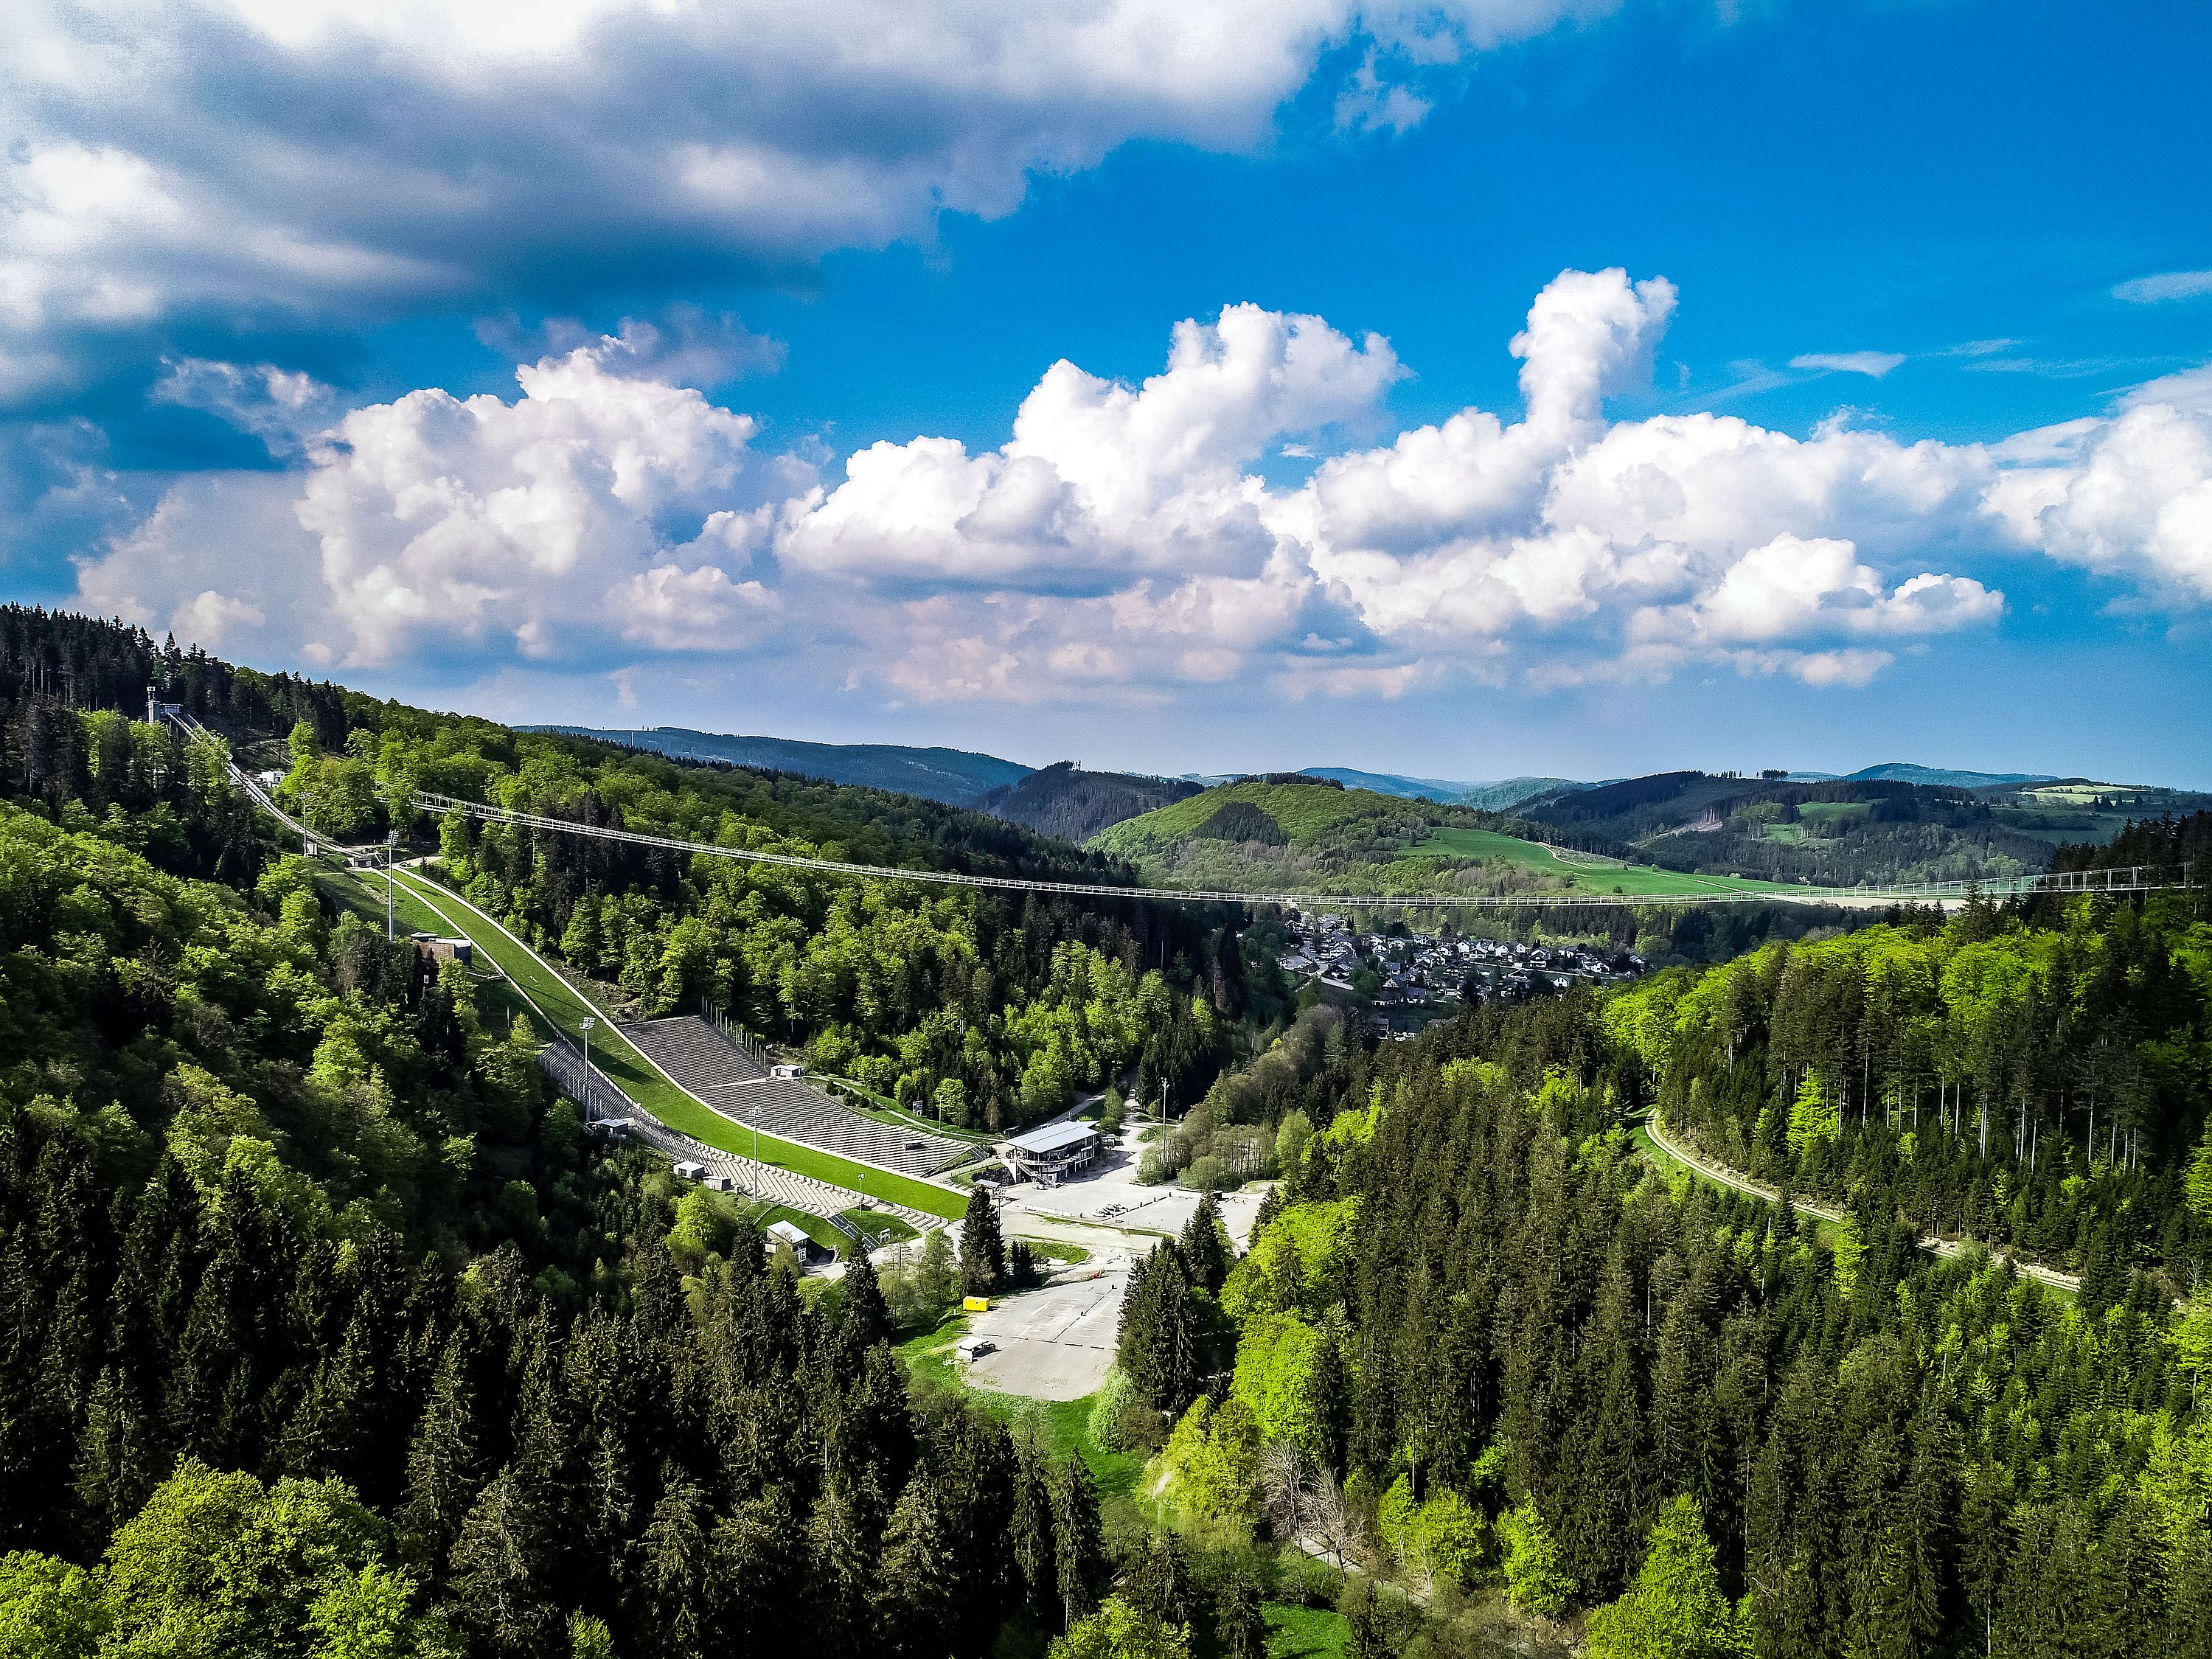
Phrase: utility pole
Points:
(754, 1113)
(391, 850)
(586, 1029)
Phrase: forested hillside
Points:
(2039, 1085)
(995, 1010)
(1063, 800)
(1839, 832)
(1489, 1351)
(326, 1328)
(956, 776)
(336, 1336)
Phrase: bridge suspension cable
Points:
(2135, 878)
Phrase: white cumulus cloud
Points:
(597, 503)
(1101, 480)
(1125, 542)
(2130, 496)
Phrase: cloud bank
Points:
(182, 168)
(1125, 540)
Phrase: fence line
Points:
(754, 1049)
(600, 1094)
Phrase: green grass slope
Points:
(1285, 837)
(1309, 814)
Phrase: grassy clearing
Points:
(736, 1207)
(1451, 843)
(1051, 1250)
(567, 1009)
(1305, 1633)
(1642, 881)
(1637, 880)
(879, 1227)
(813, 1226)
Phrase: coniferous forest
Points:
(329, 1332)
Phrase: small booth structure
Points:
(431, 948)
(1046, 1155)
(791, 1234)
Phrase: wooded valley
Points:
(328, 1330)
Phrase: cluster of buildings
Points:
(1427, 970)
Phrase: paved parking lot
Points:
(1056, 1343)
(1111, 1194)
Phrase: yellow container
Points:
(976, 1304)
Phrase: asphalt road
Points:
(1727, 1177)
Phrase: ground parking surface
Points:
(1109, 1193)
(1056, 1343)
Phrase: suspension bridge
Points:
(2130, 879)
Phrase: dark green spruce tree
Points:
(983, 1251)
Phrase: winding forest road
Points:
(2069, 1283)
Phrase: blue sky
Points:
(1890, 440)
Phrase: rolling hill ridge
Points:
(956, 776)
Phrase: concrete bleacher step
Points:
(715, 1069)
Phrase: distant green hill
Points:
(1841, 832)
(1942, 777)
(1505, 797)
(1303, 815)
(1389, 783)
(1292, 832)
(955, 776)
